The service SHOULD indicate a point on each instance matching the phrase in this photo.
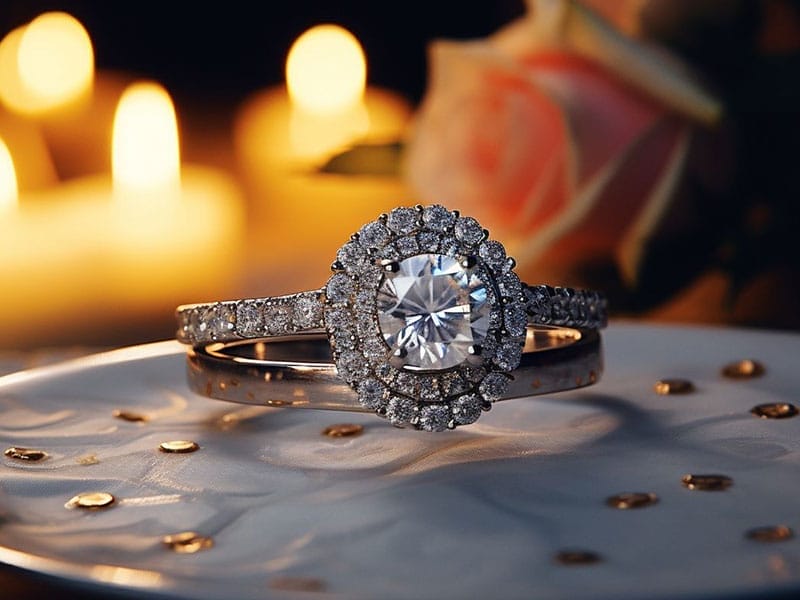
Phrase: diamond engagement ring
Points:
(423, 322)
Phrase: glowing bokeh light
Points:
(8, 181)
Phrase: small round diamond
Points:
(466, 409)
(402, 220)
(429, 241)
(400, 410)
(372, 394)
(222, 321)
(277, 318)
(307, 312)
(510, 286)
(469, 231)
(352, 256)
(338, 319)
(249, 318)
(508, 356)
(407, 246)
(494, 255)
(373, 235)
(434, 417)
(515, 320)
(493, 386)
(339, 288)
(438, 218)
(351, 366)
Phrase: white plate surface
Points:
(475, 513)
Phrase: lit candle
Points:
(283, 136)
(113, 252)
(47, 78)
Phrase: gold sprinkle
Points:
(777, 410)
(178, 446)
(132, 417)
(91, 500)
(776, 533)
(89, 459)
(743, 369)
(343, 430)
(187, 542)
(707, 483)
(577, 557)
(297, 584)
(665, 387)
(27, 454)
(628, 500)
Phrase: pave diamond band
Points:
(426, 321)
(254, 318)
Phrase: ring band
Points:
(298, 372)
(426, 322)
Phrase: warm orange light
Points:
(145, 154)
(8, 181)
(45, 64)
(326, 70)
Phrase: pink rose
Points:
(565, 160)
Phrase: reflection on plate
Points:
(515, 505)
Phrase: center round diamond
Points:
(433, 310)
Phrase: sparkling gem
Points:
(365, 301)
(515, 320)
(469, 231)
(434, 417)
(510, 285)
(508, 356)
(339, 288)
(352, 256)
(249, 318)
(429, 389)
(428, 241)
(433, 310)
(452, 384)
(493, 386)
(373, 235)
(372, 393)
(338, 318)
(406, 246)
(351, 366)
(277, 318)
(374, 348)
(307, 312)
(437, 217)
(402, 220)
(400, 410)
(494, 255)
(466, 409)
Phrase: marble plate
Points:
(480, 512)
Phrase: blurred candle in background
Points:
(283, 136)
(48, 79)
(98, 255)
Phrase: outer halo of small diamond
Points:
(427, 399)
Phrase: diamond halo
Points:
(423, 313)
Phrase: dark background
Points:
(220, 52)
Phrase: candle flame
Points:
(145, 155)
(46, 64)
(8, 180)
(326, 70)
